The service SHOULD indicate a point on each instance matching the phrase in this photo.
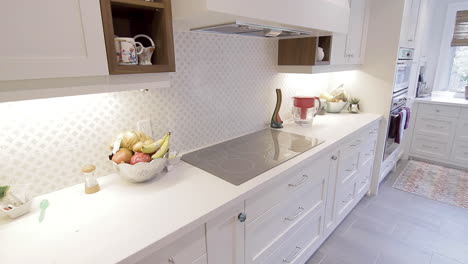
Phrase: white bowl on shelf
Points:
(142, 171)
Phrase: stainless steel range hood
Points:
(255, 30)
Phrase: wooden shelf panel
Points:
(139, 4)
(127, 18)
(130, 69)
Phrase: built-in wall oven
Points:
(403, 69)
(400, 95)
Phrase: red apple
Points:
(140, 157)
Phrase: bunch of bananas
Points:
(159, 147)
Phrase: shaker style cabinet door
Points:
(349, 48)
(51, 39)
(225, 236)
(356, 31)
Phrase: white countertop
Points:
(443, 101)
(125, 221)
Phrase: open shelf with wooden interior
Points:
(303, 51)
(128, 18)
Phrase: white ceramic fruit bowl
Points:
(335, 107)
(140, 172)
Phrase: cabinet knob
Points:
(242, 217)
(334, 157)
(171, 260)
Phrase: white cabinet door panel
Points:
(225, 237)
(51, 39)
(357, 19)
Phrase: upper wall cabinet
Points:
(410, 23)
(51, 39)
(348, 50)
(322, 15)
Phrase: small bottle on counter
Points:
(91, 183)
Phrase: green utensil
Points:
(44, 204)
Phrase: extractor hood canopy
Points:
(255, 30)
(266, 18)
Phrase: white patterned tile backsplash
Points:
(224, 87)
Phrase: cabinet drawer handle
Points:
(299, 212)
(439, 127)
(429, 147)
(299, 183)
(294, 255)
(348, 198)
(334, 157)
(171, 260)
(437, 111)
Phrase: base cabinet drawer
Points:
(348, 166)
(435, 126)
(367, 153)
(266, 233)
(464, 113)
(202, 260)
(432, 147)
(297, 180)
(189, 249)
(460, 153)
(345, 195)
(302, 242)
(364, 178)
(440, 110)
(462, 130)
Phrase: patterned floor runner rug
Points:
(435, 182)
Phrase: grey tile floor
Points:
(397, 227)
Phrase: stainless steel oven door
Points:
(402, 76)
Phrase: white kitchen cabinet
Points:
(350, 48)
(190, 249)
(306, 197)
(439, 134)
(410, 23)
(225, 236)
(51, 39)
(355, 41)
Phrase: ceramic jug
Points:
(126, 49)
(145, 53)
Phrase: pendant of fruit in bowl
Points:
(137, 157)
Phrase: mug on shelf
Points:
(126, 49)
(145, 54)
